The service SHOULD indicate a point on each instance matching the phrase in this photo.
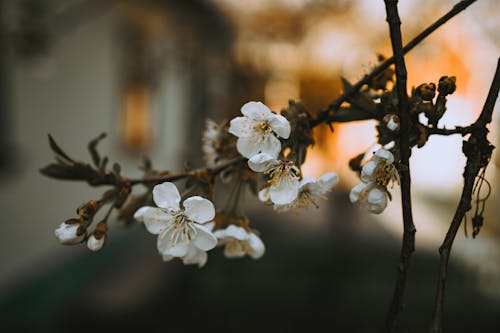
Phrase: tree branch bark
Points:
(328, 115)
(408, 246)
(478, 152)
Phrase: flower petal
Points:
(240, 127)
(248, 146)
(271, 146)
(285, 192)
(264, 194)
(234, 249)
(156, 219)
(256, 246)
(195, 256)
(377, 200)
(67, 234)
(368, 171)
(168, 247)
(356, 191)
(256, 111)
(95, 244)
(205, 239)
(280, 126)
(385, 155)
(236, 232)
(166, 195)
(261, 162)
(328, 181)
(166, 257)
(199, 209)
(139, 214)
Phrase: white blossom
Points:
(310, 189)
(95, 244)
(178, 229)
(238, 242)
(69, 233)
(193, 256)
(370, 196)
(376, 175)
(258, 130)
(283, 177)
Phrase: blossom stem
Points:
(408, 244)
(328, 114)
(173, 178)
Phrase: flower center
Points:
(282, 174)
(263, 128)
(386, 173)
(182, 230)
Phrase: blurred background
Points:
(148, 73)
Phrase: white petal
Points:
(195, 256)
(234, 249)
(168, 247)
(385, 155)
(261, 162)
(311, 185)
(264, 195)
(209, 225)
(166, 196)
(67, 233)
(156, 220)
(236, 232)
(95, 244)
(205, 239)
(368, 171)
(328, 181)
(199, 209)
(167, 257)
(257, 247)
(248, 146)
(284, 193)
(256, 111)
(280, 126)
(377, 200)
(271, 146)
(240, 127)
(139, 214)
(356, 191)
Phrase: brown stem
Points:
(172, 178)
(445, 131)
(478, 151)
(408, 246)
(328, 115)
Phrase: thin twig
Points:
(172, 178)
(445, 131)
(408, 246)
(328, 113)
(478, 153)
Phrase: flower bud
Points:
(426, 91)
(70, 232)
(87, 210)
(96, 241)
(447, 85)
(392, 122)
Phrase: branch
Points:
(328, 114)
(171, 178)
(408, 246)
(478, 152)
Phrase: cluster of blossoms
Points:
(188, 230)
(376, 175)
(258, 133)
